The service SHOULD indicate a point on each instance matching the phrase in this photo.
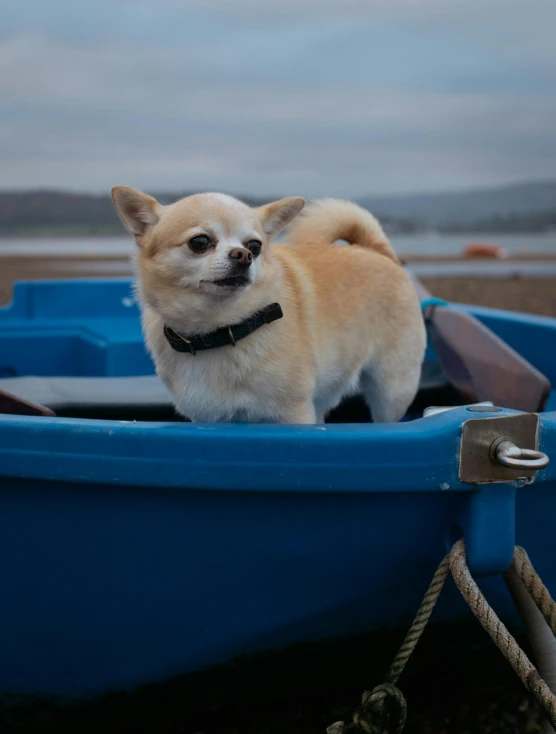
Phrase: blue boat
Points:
(137, 546)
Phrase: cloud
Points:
(343, 97)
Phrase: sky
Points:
(265, 97)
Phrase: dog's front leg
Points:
(299, 413)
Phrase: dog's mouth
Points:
(234, 281)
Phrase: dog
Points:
(242, 329)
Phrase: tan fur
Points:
(329, 220)
(352, 320)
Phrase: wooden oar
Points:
(478, 364)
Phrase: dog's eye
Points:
(200, 243)
(255, 247)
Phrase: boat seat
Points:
(65, 393)
(60, 393)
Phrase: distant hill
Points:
(57, 213)
(528, 207)
(466, 208)
(50, 211)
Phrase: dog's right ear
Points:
(137, 211)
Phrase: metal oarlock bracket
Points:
(498, 454)
(502, 448)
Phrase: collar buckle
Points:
(175, 335)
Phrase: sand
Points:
(531, 295)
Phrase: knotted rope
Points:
(384, 709)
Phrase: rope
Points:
(538, 591)
(419, 623)
(384, 709)
(500, 635)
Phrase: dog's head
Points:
(206, 246)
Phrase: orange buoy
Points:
(484, 249)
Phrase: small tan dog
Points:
(213, 291)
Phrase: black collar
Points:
(226, 335)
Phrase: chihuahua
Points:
(245, 330)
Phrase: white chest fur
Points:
(217, 385)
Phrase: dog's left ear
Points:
(276, 215)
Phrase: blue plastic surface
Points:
(72, 328)
(135, 551)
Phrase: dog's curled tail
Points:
(329, 220)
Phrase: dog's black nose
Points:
(242, 256)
